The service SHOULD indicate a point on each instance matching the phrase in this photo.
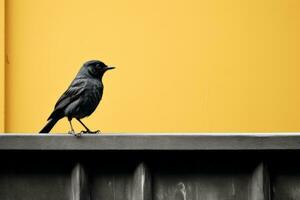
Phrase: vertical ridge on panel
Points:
(260, 183)
(141, 189)
(79, 184)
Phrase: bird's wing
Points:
(74, 91)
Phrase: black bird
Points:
(81, 98)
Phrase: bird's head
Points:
(94, 69)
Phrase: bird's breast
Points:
(93, 95)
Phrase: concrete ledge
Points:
(211, 141)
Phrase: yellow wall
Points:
(182, 66)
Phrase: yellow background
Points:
(182, 65)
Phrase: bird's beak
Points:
(109, 67)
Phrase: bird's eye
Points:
(93, 70)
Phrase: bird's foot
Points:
(96, 132)
(72, 132)
(78, 134)
(90, 132)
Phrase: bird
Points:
(81, 98)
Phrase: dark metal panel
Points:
(286, 186)
(29, 182)
(215, 186)
(174, 167)
(285, 176)
(110, 175)
(194, 176)
(111, 186)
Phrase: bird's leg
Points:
(72, 132)
(87, 129)
(72, 129)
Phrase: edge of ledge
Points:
(152, 141)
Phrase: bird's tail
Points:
(51, 122)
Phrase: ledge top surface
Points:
(165, 141)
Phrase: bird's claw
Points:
(90, 132)
(78, 134)
(74, 133)
(97, 132)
